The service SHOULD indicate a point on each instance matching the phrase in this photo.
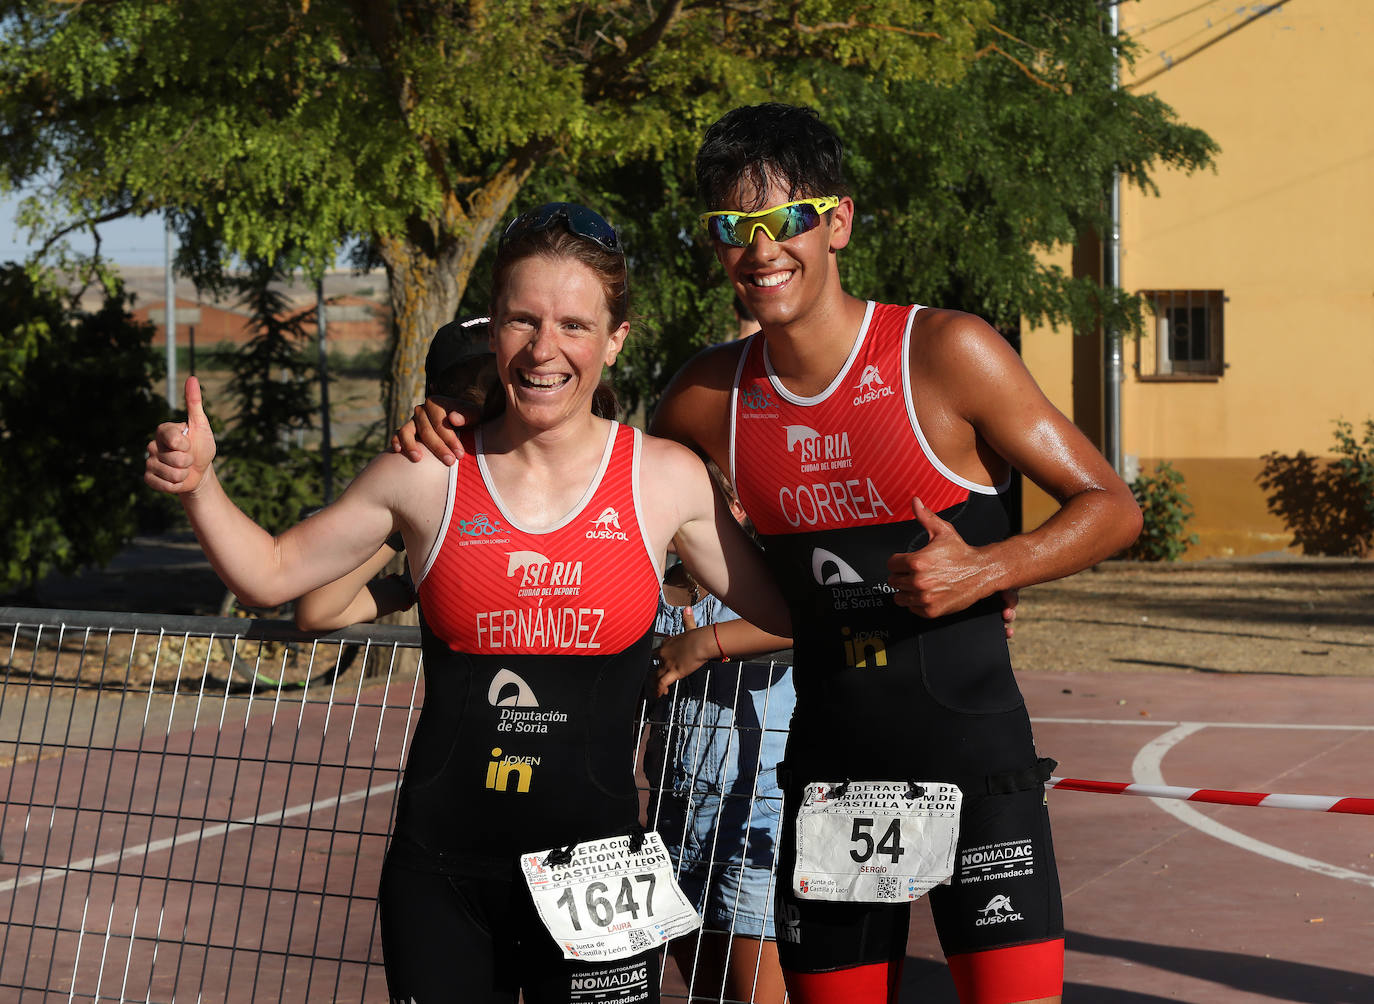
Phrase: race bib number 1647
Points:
(609, 902)
(875, 841)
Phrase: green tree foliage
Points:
(1328, 506)
(409, 126)
(959, 185)
(963, 186)
(76, 409)
(1166, 511)
(264, 466)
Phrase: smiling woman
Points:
(558, 316)
(537, 557)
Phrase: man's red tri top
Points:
(828, 482)
(853, 455)
(536, 648)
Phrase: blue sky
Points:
(125, 242)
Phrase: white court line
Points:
(1159, 722)
(204, 833)
(1146, 770)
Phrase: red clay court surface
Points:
(1227, 904)
(1230, 904)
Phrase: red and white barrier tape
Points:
(1314, 803)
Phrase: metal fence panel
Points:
(175, 828)
(198, 808)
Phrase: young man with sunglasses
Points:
(870, 445)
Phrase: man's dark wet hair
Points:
(758, 143)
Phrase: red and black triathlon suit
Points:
(883, 694)
(535, 648)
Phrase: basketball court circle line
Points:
(203, 833)
(1146, 769)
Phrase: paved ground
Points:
(1175, 901)
(167, 574)
(1248, 675)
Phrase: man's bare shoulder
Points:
(950, 343)
(712, 370)
(941, 328)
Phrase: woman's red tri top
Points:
(536, 648)
(586, 586)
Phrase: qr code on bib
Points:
(889, 888)
(639, 940)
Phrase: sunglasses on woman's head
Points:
(580, 221)
(780, 223)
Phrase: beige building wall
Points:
(1283, 229)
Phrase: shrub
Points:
(1328, 506)
(77, 406)
(1166, 511)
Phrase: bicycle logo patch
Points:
(479, 526)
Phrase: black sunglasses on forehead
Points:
(580, 221)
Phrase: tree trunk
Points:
(425, 291)
(428, 275)
(428, 271)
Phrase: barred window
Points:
(1188, 334)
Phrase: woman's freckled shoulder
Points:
(664, 458)
(399, 478)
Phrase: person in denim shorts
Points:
(711, 762)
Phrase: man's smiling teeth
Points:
(544, 380)
(775, 279)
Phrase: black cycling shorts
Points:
(478, 940)
(1004, 892)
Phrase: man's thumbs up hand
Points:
(943, 576)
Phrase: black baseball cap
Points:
(457, 342)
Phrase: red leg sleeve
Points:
(1008, 975)
(873, 984)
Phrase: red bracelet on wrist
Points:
(719, 647)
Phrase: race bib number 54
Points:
(875, 841)
(608, 902)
